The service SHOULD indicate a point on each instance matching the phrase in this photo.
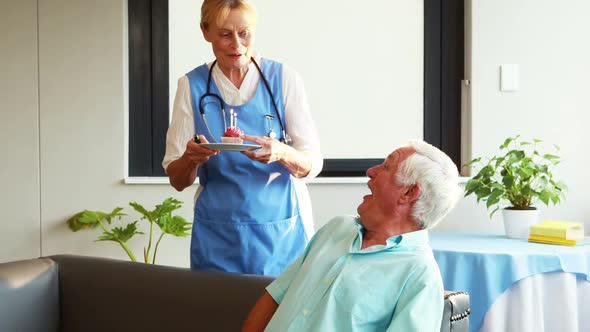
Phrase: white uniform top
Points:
(299, 123)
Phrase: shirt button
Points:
(327, 281)
(349, 257)
(305, 313)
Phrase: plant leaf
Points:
(520, 174)
(545, 196)
(90, 219)
(120, 234)
(507, 142)
(175, 225)
(75, 225)
(472, 162)
(143, 211)
(170, 204)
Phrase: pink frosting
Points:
(233, 132)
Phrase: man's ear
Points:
(411, 193)
(205, 32)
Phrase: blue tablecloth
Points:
(486, 265)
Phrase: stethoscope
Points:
(286, 138)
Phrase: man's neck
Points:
(379, 236)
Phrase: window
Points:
(149, 97)
(148, 86)
(443, 73)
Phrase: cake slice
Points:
(232, 135)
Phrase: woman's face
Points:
(233, 41)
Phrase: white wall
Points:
(62, 145)
(362, 67)
(548, 40)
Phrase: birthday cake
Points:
(233, 133)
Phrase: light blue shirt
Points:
(336, 286)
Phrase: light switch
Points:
(509, 77)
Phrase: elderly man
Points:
(375, 272)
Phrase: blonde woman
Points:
(252, 212)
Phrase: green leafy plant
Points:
(161, 216)
(520, 174)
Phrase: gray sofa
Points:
(77, 293)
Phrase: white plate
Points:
(230, 146)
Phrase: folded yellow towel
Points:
(551, 240)
(559, 229)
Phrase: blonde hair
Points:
(216, 11)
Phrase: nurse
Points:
(252, 210)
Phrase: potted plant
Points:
(160, 216)
(521, 176)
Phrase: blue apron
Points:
(246, 219)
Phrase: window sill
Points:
(318, 180)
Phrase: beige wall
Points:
(74, 104)
(19, 131)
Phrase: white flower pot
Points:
(517, 223)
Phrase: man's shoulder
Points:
(341, 222)
(424, 266)
(418, 256)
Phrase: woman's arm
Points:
(183, 155)
(182, 172)
(260, 314)
(299, 122)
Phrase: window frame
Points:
(149, 97)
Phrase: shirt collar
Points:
(411, 239)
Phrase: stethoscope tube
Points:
(286, 138)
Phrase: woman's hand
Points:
(197, 154)
(183, 171)
(297, 163)
(271, 149)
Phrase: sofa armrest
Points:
(29, 295)
(456, 312)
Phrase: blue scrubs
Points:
(246, 219)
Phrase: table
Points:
(490, 266)
(562, 305)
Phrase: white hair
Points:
(438, 178)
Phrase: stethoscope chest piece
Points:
(271, 131)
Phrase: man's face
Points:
(233, 41)
(385, 192)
